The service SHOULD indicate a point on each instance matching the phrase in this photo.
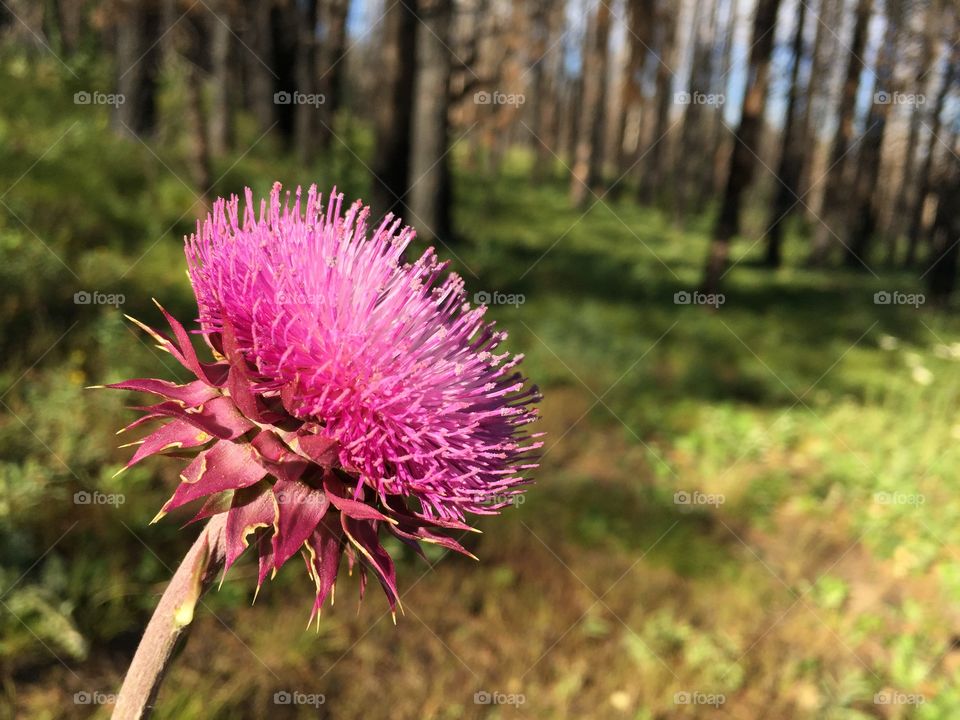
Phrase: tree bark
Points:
(942, 272)
(791, 152)
(587, 171)
(221, 80)
(655, 155)
(746, 143)
(907, 188)
(833, 211)
(394, 114)
(914, 235)
(331, 65)
(639, 26)
(429, 189)
(258, 62)
(138, 60)
(864, 219)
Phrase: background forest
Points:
(725, 233)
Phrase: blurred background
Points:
(725, 234)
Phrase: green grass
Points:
(801, 595)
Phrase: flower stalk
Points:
(169, 623)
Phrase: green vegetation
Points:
(827, 425)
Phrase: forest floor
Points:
(743, 512)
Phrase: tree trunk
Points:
(429, 163)
(331, 64)
(746, 143)
(942, 272)
(834, 197)
(138, 59)
(588, 155)
(791, 152)
(221, 80)
(868, 169)
(923, 177)
(692, 176)
(639, 25)
(258, 62)
(547, 22)
(655, 155)
(907, 188)
(394, 113)
(305, 125)
(719, 136)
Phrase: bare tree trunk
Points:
(394, 114)
(547, 22)
(747, 142)
(138, 59)
(331, 64)
(907, 189)
(942, 273)
(923, 177)
(221, 81)
(639, 26)
(834, 195)
(791, 152)
(693, 173)
(259, 61)
(868, 169)
(719, 136)
(305, 125)
(656, 156)
(429, 190)
(828, 15)
(588, 157)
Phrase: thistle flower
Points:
(350, 393)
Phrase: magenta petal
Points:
(265, 553)
(323, 550)
(175, 434)
(191, 394)
(225, 466)
(212, 374)
(239, 379)
(336, 492)
(243, 519)
(301, 508)
(219, 417)
(322, 450)
(363, 535)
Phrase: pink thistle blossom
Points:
(350, 392)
